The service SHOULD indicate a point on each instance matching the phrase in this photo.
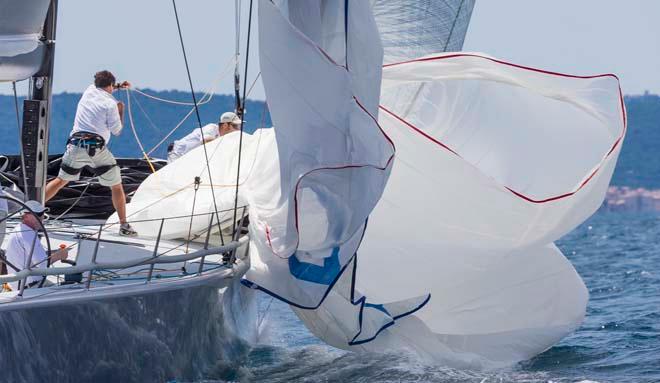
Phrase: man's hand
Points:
(59, 255)
(125, 85)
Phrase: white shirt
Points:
(194, 139)
(97, 113)
(19, 245)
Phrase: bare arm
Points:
(120, 108)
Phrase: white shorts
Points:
(76, 157)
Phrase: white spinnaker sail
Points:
(321, 69)
(493, 162)
(21, 52)
(312, 181)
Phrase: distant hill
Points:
(639, 163)
(152, 125)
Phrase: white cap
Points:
(230, 117)
(36, 207)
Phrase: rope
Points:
(144, 113)
(171, 101)
(208, 96)
(137, 139)
(253, 83)
(74, 203)
(240, 140)
(199, 119)
(265, 314)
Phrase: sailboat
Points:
(406, 198)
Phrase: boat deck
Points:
(171, 265)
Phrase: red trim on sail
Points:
(516, 193)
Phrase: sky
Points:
(137, 40)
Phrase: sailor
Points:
(98, 115)
(229, 122)
(24, 241)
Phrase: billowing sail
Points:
(444, 247)
(494, 162)
(21, 52)
(321, 69)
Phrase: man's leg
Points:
(119, 201)
(54, 186)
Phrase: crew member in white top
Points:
(229, 122)
(24, 241)
(98, 115)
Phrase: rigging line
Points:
(153, 126)
(75, 202)
(209, 95)
(199, 119)
(130, 119)
(453, 25)
(254, 83)
(201, 102)
(20, 142)
(263, 316)
(240, 140)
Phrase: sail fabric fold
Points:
(494, 162)
(21, 51)
(321, 66)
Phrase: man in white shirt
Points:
(98, 116)
(24, 241)
(229, 122)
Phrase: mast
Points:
(237, 75)
(36, 114)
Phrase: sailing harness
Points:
(92, 142)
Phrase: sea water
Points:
(618, 256)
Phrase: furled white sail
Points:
(21, 52)
(171, 192)
(494, 161)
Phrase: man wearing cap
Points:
(24, 241)
(98, 116)
(229, 122)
